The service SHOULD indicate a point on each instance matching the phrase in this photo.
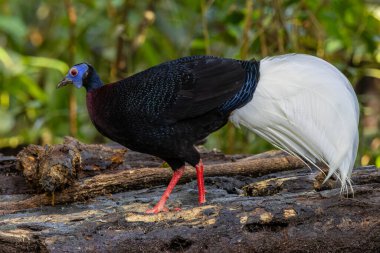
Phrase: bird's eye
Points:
(73, 72)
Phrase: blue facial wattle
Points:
(78, 78)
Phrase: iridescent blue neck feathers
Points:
(92, 81)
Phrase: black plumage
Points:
(164, 110)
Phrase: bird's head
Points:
(77, 75)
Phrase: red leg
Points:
(160, 206)
(201, 184)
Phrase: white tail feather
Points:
(307, 107)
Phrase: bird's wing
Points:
(204, 84)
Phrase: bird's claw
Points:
(156, 210)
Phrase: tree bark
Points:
(264, 203)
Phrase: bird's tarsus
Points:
(201, 185)
(160, 206)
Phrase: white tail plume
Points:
(306, 107)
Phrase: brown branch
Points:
(277, 6)
(149, 18)
(247, 27)
(120, 58)
(120, 65)
(71, 14)
(204, 9)
(262, 31)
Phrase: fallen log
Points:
(306, 221)
(254, 204)
(57, 167)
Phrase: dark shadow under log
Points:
(264, 203)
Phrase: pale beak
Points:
(64, 82)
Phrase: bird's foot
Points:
(157, 209)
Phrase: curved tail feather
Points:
(306, 107)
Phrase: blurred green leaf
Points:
(333, 45)
(7, 121)
(14, 27)
(43, 62)
(5, 58)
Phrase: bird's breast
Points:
(119, 121)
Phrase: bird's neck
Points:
(94, 82)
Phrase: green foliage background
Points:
(39, 40)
